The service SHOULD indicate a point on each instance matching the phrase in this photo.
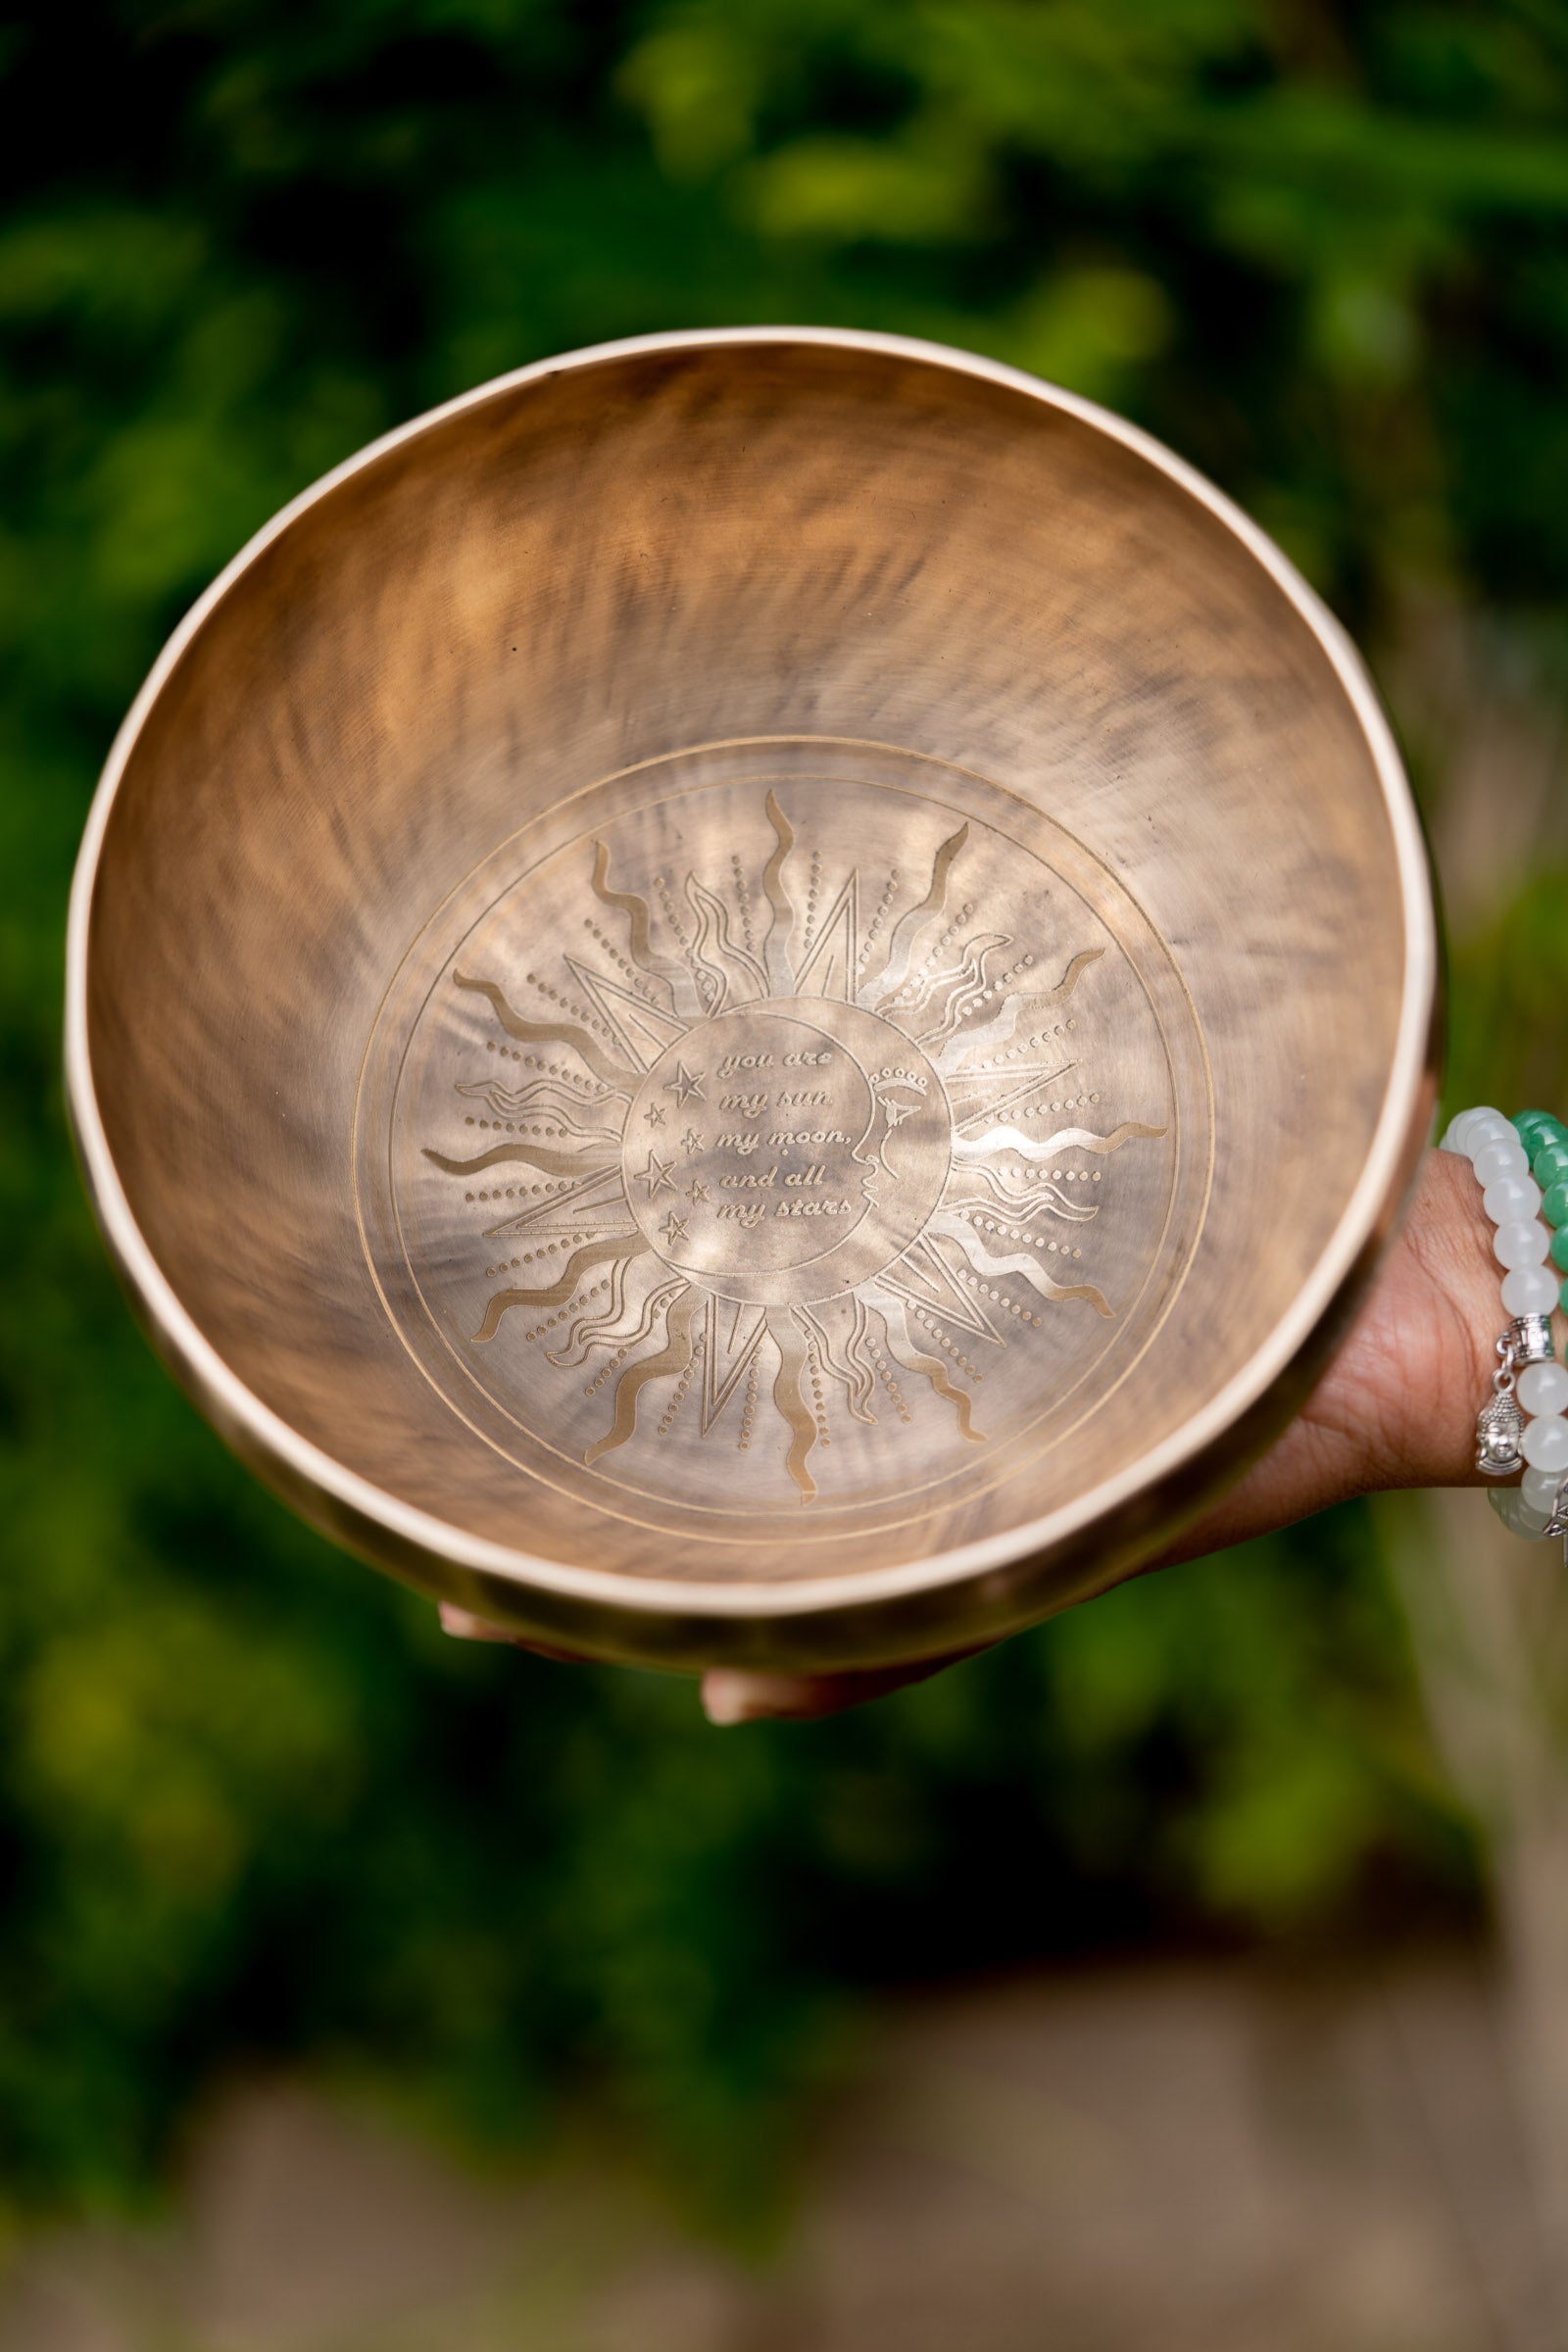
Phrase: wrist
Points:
(1450, 1238)
(1398, 1407)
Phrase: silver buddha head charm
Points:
(1497, 1433)
(1502, 1423)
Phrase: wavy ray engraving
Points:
(1023, 1197)
(969, 985)
(1050, 1147)
(782, 922)
(1072, 975)
(671, 1359)
(555, 1293)
(531, 1156)
(553, 1033)
(787, 1339)
(635, 909)
(1001, 1259)
(853, 1373)
(905, 939)
(621, 1325)
(861, 1362)
(548, 1110)
(728, 959)
(913, 1357)
(956, 1060)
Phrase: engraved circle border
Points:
(844, 1519)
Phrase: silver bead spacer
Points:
(1532, 1340)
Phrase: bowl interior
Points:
(752, 961)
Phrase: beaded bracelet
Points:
(1522, 1165)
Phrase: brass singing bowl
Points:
(752, 995)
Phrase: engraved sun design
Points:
(798, 1147)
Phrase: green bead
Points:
(1549, 1166)
(1554, 1207)
(1560, 1247)
(1536, 1127)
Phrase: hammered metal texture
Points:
(758, 968)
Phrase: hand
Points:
(1396, 1407)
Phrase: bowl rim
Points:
(1170, 1481)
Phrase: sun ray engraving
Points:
(915, 1359)
(616, 1331)
(781, 927)
(673, 1357)
(635, 909)
(566, 1033)
(790, 1343)
(597, 1199)
(727, 1361)
(891, 1167)
(534, 1156)
(829, 968)
(593, 1253)
(847, 1365)
(1044, 1148)
(909, 928)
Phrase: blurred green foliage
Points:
(252, 1805)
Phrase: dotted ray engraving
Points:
(792, 1142)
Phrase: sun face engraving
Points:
(817, 1126)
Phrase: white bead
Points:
(1521, 1243)
(1509, 1196)
(1501, 1159)
(1544, 1444)
(1516, 1514)
(1530, 1291)
(1489, 1129)
(1540, 1488)
(1543, 1389)
(1468, 1119)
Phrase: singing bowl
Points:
(752, 997)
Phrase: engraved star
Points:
(654, 1115)
(691, 1140)
(656, 1175)
(685, 1082)
(673, 1229)
(696, 1191)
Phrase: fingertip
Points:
(730, 1695)
(724, 1698)
(463, 1626)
